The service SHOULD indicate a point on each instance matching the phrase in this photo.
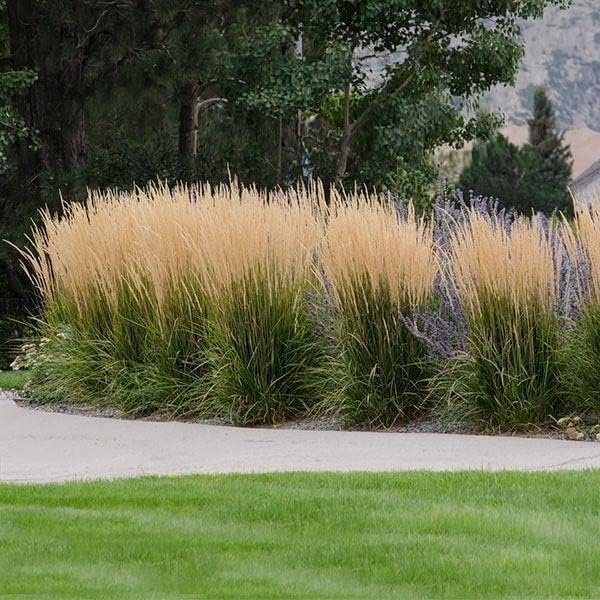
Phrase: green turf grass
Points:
(13, 380)
(413, 535)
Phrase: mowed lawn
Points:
(415, 535)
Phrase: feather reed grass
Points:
(265, 353)
(505, 273)
(124, 283)
(378, 264)
(582, 352)
(184, 301)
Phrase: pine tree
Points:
(534, 177)
(548, 144)
(500, 170)
(515, 177)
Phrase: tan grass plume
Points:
(488, 261)
(367, 237)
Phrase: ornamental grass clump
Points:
(505, 274)
(265, 353)
(123, 282)
(182, 302)
(379, 264)
(582, 362)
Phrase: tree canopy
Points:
(271, 91)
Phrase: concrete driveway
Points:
(38, 446)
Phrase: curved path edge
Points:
(41, 447)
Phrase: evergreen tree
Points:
(531, 178)
(496, 170)
(514, 176)
(547, 143)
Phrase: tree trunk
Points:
(279, 171)
(188, 120)
(72, 118)
(342, 162)
(73, 139)
(54, 105)
(346, 142)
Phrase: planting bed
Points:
(225, 304)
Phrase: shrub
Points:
(505, 274)
(379, 264)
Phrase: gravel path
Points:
(38, 446)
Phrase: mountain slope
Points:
(562, 52)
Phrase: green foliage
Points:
(582, 364)
(531, 178)
(265, 355)
(124, 164)
(250, 356)
(268, 62)
(130, 356)
(13, 127)
(82, 371)
(555, 156)
(381, 369)
(14, 82)
(515, 177)
(510, 375)
(415, 104)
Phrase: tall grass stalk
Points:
(378, 264)
(505, 274)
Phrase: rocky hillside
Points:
(562, 52)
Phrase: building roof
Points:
(587, 185)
